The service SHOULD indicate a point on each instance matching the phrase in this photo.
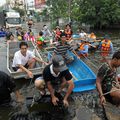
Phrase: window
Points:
(13, 20)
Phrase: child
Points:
(31, 37)
(12, 39)
(40, 40)
(57, 34)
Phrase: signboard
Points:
(12, 14)
(39, 3)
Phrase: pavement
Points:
(3, 54)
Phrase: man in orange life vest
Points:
(83, 49)
(106, 46)
(68, 32)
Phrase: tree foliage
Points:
(21, 11)
(97, 13)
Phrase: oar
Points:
(92, 45)
(77, 38)
(84, 39)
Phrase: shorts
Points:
(16, 68)
(42, 82)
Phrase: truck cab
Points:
(12, 19)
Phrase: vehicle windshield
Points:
(13, 20)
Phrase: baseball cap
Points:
(59, 63)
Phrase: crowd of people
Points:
(56, 76)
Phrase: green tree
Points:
(21, 11)
(97, 13)
(57, 9)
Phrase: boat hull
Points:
(12, 47)
(83, 77)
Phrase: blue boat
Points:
(84, 78)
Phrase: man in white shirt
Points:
(24, 60)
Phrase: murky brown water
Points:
(88, 99)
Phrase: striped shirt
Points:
(62, 49)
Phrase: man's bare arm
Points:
(41, 61)
(70, 88)
(50, 88)
(26, 70)
(98, 84)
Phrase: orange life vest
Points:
(68, 33)
(93, 36)
(40, 43)
(105, 45)
(82, 46)
(58, 33)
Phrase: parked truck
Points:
(10, 19)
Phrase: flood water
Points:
(79, 102)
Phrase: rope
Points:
(118, 88)
(109, 92)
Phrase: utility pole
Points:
(69, 11)
(7, 7)
(25, 7)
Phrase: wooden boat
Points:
(83, 77)
(12, 47)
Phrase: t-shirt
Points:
(7, 85)
(19, 59)
(47, 76)
(108, 76)
(82, 35)
(41, 39)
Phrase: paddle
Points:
(84, 39)
(88, 44)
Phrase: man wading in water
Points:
(56, 76)
(107, 81)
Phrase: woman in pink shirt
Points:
(31, 37)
